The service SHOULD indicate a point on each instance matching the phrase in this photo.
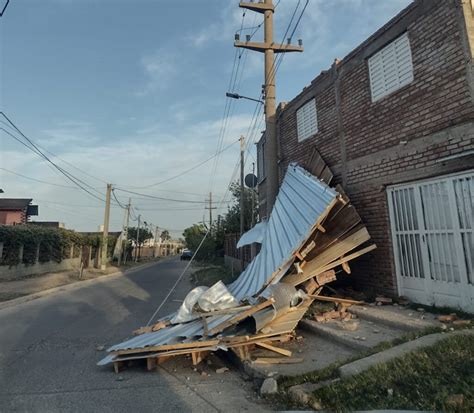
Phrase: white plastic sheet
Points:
(207, 299)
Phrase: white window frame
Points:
(307, 120)
(391, 68)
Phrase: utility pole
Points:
(242, 197)
(125, 230)
(210, 208)
(105, 233)
(156, 239)
(137, 246)
(252, 219)
(269, 48)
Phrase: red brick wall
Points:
(398, 138)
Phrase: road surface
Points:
(48, 352)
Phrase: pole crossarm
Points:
(261, 47)
(257, 7)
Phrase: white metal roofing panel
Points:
(302, 199)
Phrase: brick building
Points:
(394, 121)
(16, 211)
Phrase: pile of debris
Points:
(312, 231)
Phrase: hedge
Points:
(54, 243)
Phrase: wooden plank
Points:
(150, 363)
(326, 277)
(345, 266)
(241, 316)
(326, 175)
(164, 347)
(316, 266)
(278, 350)
(277, 360)
(337, 300)
(339, 262)
(304, 252)
(222, 312)
(337, 225)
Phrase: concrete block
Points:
(269, 386)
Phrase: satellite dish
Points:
(251, 181)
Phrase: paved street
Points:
(48, 352)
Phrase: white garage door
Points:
(433, 240)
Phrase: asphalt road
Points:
(48, 352)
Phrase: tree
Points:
(144, 235)
(193, 237)
(232, 218)
(165, 235)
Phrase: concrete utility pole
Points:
(242, 197)
(125, 231)
(137, 246)
(105, 234)
(155, 243)
(269, 48)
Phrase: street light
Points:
(237, 96)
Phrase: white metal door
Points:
(432, 232)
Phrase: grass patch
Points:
(209, 273)
(426, 379)
(331, 371)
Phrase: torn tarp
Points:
(204, 299)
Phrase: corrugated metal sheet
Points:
(301, 201)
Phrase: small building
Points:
(16, 211)
(394, 121)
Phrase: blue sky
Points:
(133, 93)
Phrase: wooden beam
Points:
(304, 252)
(278, 350)
(240, 316)
(164, 347)
(325, 261)
(221, 312)
(277, 360)
(336, 300)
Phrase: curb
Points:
(385, 356)
(400, 322)
(339, 337)
(302, 393)
(73, 286)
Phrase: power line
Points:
(184, 172)
(39, 180)
(63, 160)
(159, 197)
(4, 8)
(34, 148)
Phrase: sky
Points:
(132, 92)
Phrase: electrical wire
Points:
(34, 148)
(4, 8)
(39, 180)
(183, 172)
(63, 160)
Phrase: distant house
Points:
(16, 211)
(49, 224)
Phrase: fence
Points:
(233, 255)
(33, 259)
